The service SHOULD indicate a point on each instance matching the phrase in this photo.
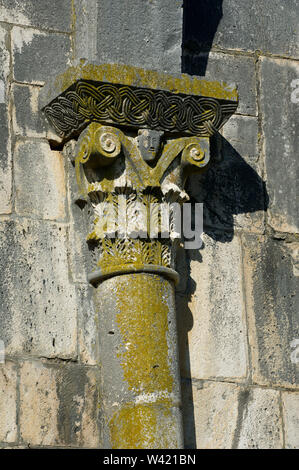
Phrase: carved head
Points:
(148, 142)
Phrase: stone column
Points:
(140, 377)
(140, 136)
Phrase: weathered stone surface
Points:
(148, 35)
(28, 121)
(261, 424)
(8, 402)
(86, 27)
(37, 54)
(293, 248)
(80, 223)
(217, 332)
(27, 118)
(59, 405)
(49, 15)
(290, 403)
(5, 145)
(40, 181)
(87, 326)
(38, 305)
(272, 309)
(226, 67)
(241, 140)
(38, 404)
(242, 133)
(227, 416)
(246, 26)
(210, 411)
(4, 445)
(280, 126)
(232, 190)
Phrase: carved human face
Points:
(149, 143)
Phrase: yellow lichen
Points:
(143, 427)
(143, 324)
(128, 75)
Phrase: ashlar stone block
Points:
(272, 309)
(261, 426)
(8, 402)
(38, 303)
(290, 403)
(40, 180)
(280, 107)
(37, 54)
(5, 138)
(49, 15)
(59, 405)
(215, 343)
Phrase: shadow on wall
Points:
(230, 187)
(200, 22)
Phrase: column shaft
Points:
(138, 356)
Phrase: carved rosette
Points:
(137, 145)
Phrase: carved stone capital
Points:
(141, 134)
(126, 191)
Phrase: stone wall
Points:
(238, 308)
(238, 323)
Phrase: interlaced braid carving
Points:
(136, 107)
